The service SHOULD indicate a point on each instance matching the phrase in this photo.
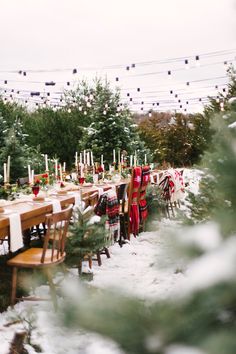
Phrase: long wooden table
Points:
(34, 212)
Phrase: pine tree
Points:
(15, 147)
(110, 123)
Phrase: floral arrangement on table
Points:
(42, 180)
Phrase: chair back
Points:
(142, 194)
(121, 195)
(22, 181)
(57, 226)
(133, 208)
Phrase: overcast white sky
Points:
(75, 33)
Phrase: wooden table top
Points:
(33, 212)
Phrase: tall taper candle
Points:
(64, 167)
(8, 168)
(131, 160)
(29, 174)
(56, 168)
(114, 156)
(46, 162)
(60, 169)
(76, 159)
(88, 158)
(5, 172)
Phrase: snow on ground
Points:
(142, 267)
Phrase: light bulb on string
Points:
(104, 112)
(197, 59)
(69, 110)
(117, 79)
(127, 68)
(169, 73)
(138, 89)
(171, 92)
(158, 103)
(128, 94)
(187, 83)
(85, 113)
(186, 64)
(68, 83)
(74, 71)
(5, 82)
(133, 65)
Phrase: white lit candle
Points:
(81, 170)
(64, 167)
(91, 158)
(56, 168)
(60, 169)
(145, 159)
(101, 160)
(46, 162)
(8, 168)
(131, 160)
(88, 158)
(29, 174)
(32, 176)
(114, 156)
(135, 160)
(5, 172)
(76, 159)
(118, 156)
(84, 157)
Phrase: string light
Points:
(186, 64)
(197, 60)
(50, 83)
(74, 71)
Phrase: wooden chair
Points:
(133, 199)
(84, 216)
(142, 196)
(51, 254)
(121, 196)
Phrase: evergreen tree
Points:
(15, 147)
(111, 126)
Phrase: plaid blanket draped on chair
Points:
(142, 197)
(108, 205)
(134, 208)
